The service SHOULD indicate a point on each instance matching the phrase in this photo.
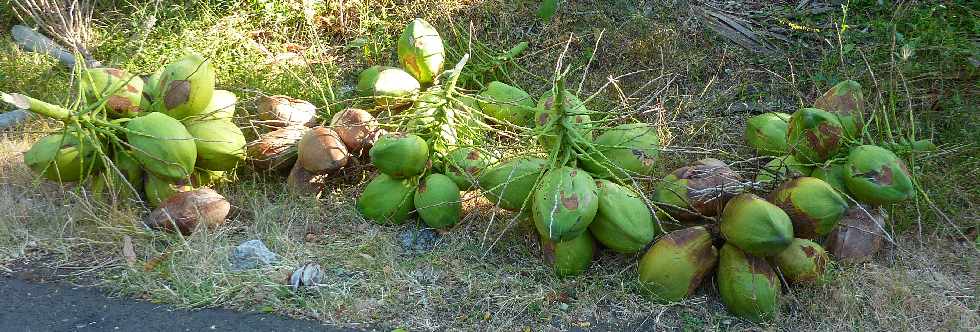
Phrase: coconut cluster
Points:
(146, 139)
(823, 185)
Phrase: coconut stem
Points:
(37, 106)
(458, 69)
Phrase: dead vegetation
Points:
(682, 75)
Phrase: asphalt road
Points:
(28, 306)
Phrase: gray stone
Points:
(418, 239)
(252, 254)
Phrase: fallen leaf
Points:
(128, 251)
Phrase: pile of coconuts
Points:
(824, 185)
(162, 140)
(434, 149)
(297, 142)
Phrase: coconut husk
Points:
(274, 150)
(283, 111)
(321, 150)
(304, 182)
(858, 236)
(711, 183)
(186, 210)
(357, 128)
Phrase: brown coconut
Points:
(858, 236)
(357, 128)
(186, 210)
(273, 151)
(304, 182)
(710, 184)
(285, 111)
(321, 150)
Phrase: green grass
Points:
(697, 85)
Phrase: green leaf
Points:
(548, 9)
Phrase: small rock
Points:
(418, 239)
(308, 275)
(252, 254)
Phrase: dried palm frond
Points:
(66, 21)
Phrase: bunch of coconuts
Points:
(819, 163)
(432, 154)
(131, 139)
(581, 191)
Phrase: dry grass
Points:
(694, 84)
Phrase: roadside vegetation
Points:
(666, 60)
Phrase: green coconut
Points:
(509, 185)
(437, 201)
(674, 266)
(624, 151)
(386, 200)
(464, 166)
(565, 203)
(622, 222)
(846, 101)
(877, 176)
(701, 189)
(389, 86)
(123, 181)
(400, 155)
(813, 206)
(803, 262)
(63, 157)
(832, 175)
(756, 226)
(187, 86)
(571, 257)
(748, 286)
(221, 107)
(220, 144)
(122, 92)
(576, 117)
(420, 51)
(162, 145)
(151, 90)
(158, 190)
(782, 168)
(767, 133)
(507, 104)
(814, 135)
(367, 78)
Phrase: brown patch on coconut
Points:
(357, 128)
(804, 226)
(473, 155)
(683, 236)
(184, 211)
(758, 265)
(548, 252)
(178, 92)
(569, 202)
(285, 111)
(321, 150)
(543, 118)
(120, 104)
(705, 257)
(275, 150)
(884, 177)
(114, 72)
